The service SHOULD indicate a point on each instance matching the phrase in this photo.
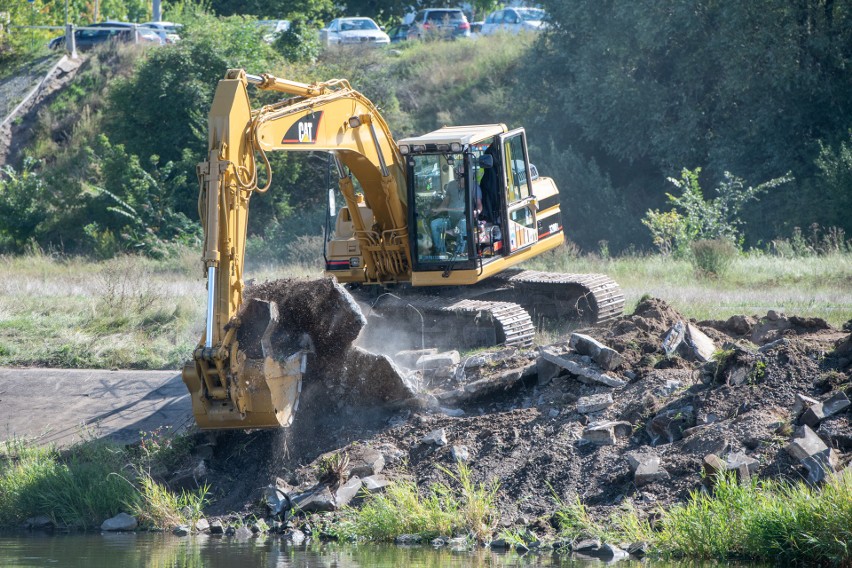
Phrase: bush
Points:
(712, 257)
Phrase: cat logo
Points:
(304, 131)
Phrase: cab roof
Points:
(457, 134)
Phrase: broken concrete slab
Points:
(347, 491)
(606, 433)
(737, 460)
(438, 360)
(317, 500)
(375, 379)
(487, 385)
(584, 373)
(802, 403)
(408, 358)
(812, 452)
(702, 346)
(669, 425)
(822, 410)
(594, 403)
(673, 338)
(646, 467)
(436, 437)
(606, 357)
(365, 461)
(276, 500)
(375, 483)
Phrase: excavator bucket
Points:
(266, 384)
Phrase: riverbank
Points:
(687, 447)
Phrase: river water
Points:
(152, 550)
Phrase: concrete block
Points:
(594, 403)
(606, 357)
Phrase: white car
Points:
(351, 31)
(168, 31)
(514, 20)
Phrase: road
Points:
(62, 406)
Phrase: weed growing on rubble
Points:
(764, 520)
(466, 508)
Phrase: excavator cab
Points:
(476, 198)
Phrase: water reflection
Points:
(165, 551)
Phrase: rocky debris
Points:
(216, 527)
(639, 549)
(408, 539)
(594, 403)
(436, 360)
(347, 491)
(702, 346)
(606, 433)
(40, 523)
(583, 372)
(243, 533)
(365, 461)
(607, 358)
(318, 499)
(487, 385)
(181, 530)
(744, 466)
(669, 425)
(646, 467)
(674, 338)
(436, 437)
(818, 412)
(375, 483)
(202, 525)
(371, 379)
(461, 453)
(811, 451)
(120, 522)
(277, 501)
(259, 526)
(802, 402)
(408, 358)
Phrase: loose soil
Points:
(522, 428)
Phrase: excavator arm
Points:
(229, 389)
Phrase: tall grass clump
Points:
(156, 506)
(466, 508)
(79, 487)
(764, 520)
(712, 257)
(574, 522)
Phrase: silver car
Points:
(515, 20)
(351, 31)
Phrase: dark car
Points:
(102, 32)
(398, 33)
(439, 23)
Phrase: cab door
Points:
(521, 204)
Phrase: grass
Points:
(83, 485)
(812, 286)
(138, 313)
(464, 508)
(764, 520)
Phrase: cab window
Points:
(517, 185)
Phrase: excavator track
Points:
(589, 299)
(448, 322)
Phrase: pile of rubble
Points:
(645, 411)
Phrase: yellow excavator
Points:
(427, 234)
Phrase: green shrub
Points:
(712, 257)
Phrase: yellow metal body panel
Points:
(467, 277)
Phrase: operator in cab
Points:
(451, 211)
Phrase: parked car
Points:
(271, 29)
(349, 31)
(168, 31)
(515, 20)
(102, 32)
(439, 23)
(398, 33)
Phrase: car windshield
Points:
(353, 25)
(531, 14)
